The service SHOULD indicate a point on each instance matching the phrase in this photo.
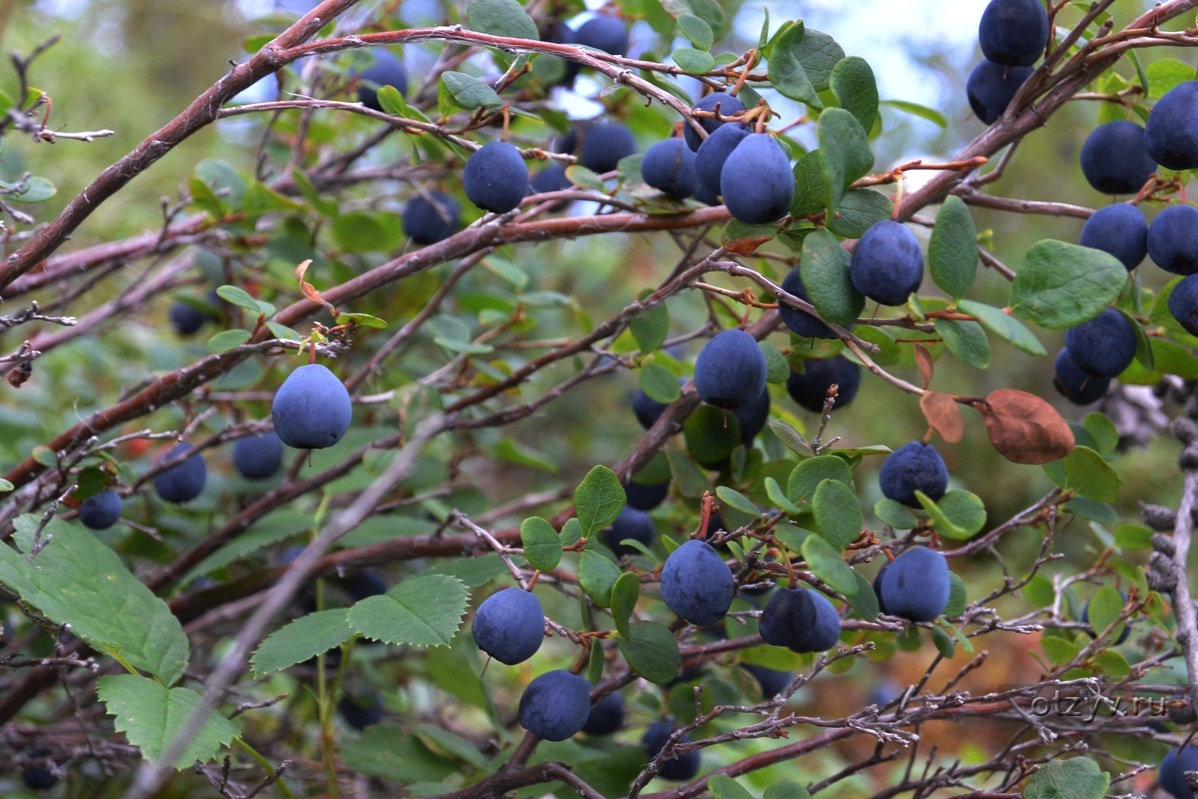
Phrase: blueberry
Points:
(1173, 240)
(100, 511)
(800, 619)
(707, 196)
(510, 626)
(729, 106)
(387, 70)
(752, 417)
(606, 716)
(1104, 346)
(185, 480)
(560, 33)
(646, 409)
(679, 768)
(1013, 32)
(259, 456)
(1183, 304)
(1075, 385)
(1115, 159)
(696, 583)
(1085, 619)
(801, 323)
(645, 496)
(1171, 133)
(427, 220)
(365, 583)
(600, 147)
(1120, 230)
(1172, 771)
(757, 183)
(633, 524)
(887, 264)
(551, 178)
(913, 467)
(38, 778)
(809, 388)
(312, 409)
(496, 177)
(915, 586)
(991, 87)
(730, 370)
(360, 715)
(772, 681)
(186, 318)
(714, 151)
(669, 166)
(555, 705)
(603, 33)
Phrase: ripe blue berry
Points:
(1120, 230)
(185, 480)
(100, 511)
(697, 584)
(809, 388)
(1075, 385)
(1104, 346)
(729, 106)
(259, 456)
(730, 370)
(991, 87)
(915, 586)
(555, 705)
(887, 264)
(757, 183)
(913, 467)
(312, 409)
(510, 626)
(1171, 133)
(1115, 159)
(496, 177)
(1013, 32)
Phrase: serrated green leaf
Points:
(425, 610)
(659, 383)
(1075, 778)
(597, 575)
(598, 500)
(227, 340)
(829, 566)
(824, 269)
(966, 340)
(1004, 326)
(470, 92)
(500, 18)
(651, 651)
(152, 715)
(844, 154)
(624, 594)
(77, 580)
(542, 545)
(1062, 285)
(837, 513)
(852, 80)
(301, 640)
(1091, 475)
(953, 248)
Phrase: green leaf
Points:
(696, 31)
(444, 742)
(651, 651)
(792, 438)
(500, 18)
(34, 190)
(1005, 326)
(1062, 285)
(425, 610)
(1133, 536)
(470, 92)
(598, 500)
(859, 210)
(238, 297)
(624, 594)
(227, 340)
(691, 482)
(651, 328)
(810, 188)
(395, 754)
(806, 477)
(1090, 475)
(837, 513)
(1075, 778)
(966, 340)
(1104, 607)
(301, 640)
(965, 510)
(844, 154)
(1103, 431)
(786, 790)
(597, 575)
(921, 111)
(957, 596)
(778, 497)
(894, 514)
(360, 232)
(786, 70)
(542, 545)
(829, 566)
(659, 383)
(824, 269)
(946, 645)
(852, 80)
(1165, 74)
(1112, 664)
(79, 581)
(711, 434)
(953, 248)
(777, 369)
(361, 320)
(152, 716)
(737, 500)
(724, 787)
(693, 61)
(1039, 591)
(865, 602)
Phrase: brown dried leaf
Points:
(943, 415)
(1024, 428)
(923, 359)
(309, 290)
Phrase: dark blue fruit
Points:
(809, 388)
(757, 183)
(646, 409)
(185, 480)
(606, 716)
(729, 106)
(100, 511)
(801, 323)
(603, 33)
(1080, 388)
(696, 583)
(360, 715)
(1013, 32)
(913, 467)
(752, 417)
(1115, 159)
(991, 87)
(633, 524)
(551, 178)
(555, 705)
(669, 166)
(186, 319)
(772, 681)
(1173, 240)
(38, 778)
(1183, 304)
(915, 586)
(1172, 771)
(707, 196)
(800, 619)
(887, 263)
(432, 218)
(496, 177)
(682, 767)
(560, 33)
(1171, 133)
(364, 584)
(312, 409)
(510, 626)
(600, 147)
(258, 457)
(1093, 633)
(714, 151)
(645, 496)
(1120, 230)
(730, 370)
(1104, 346)
(386, 71)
